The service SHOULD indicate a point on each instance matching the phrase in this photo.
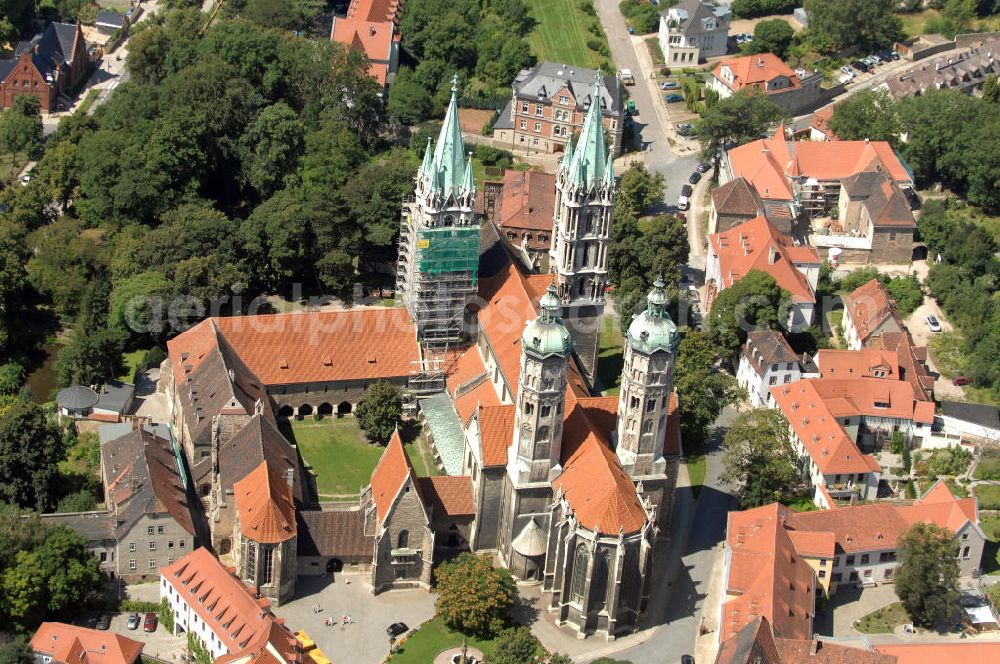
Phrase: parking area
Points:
(160, 643)
(364, 641)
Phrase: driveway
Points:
(365, 640)
(161, 643)
(916, 323)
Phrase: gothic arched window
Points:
(580, 561)
(403, 539)
(647, 426)
(599, 582)
(448, 221)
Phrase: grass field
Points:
(129, 362)
(802, 505)
(337, 451)
(431, 638)
(610, 356)
(560, 33)
(697, 467)
(989, 496)
(884, 620)
(988, 468)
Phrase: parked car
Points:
(149, 624)
(670, 85)
(894, 55)
(395, 629)
(686, 190)
(860, 65)
(702, 167)
(847, 70)
(673, 99)
(687, 659)
(747, 37)
(682, 202)
(933, 323)
(25, 179)
(685, 126)
(103, 622)
(739, 39)
(133, 621)
(875, 59)
(961, 380)
(694, 177)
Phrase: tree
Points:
(271, 147)
(836, 24)
(78, 501)
(956, 16)
(30, 449)
(638, 189)
(702, 391)
(754, 302)
(92, 356)
(473, 595)
(147, 54)
(927, 579)
(907, 293)
(21, 127)
(15, 651)
(868, 114)
(409, 101)
(772, 36)
(759, 460)
(379, 410)
(991, 89)
(516, 645)
(744, 117)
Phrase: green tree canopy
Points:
(837, 24)
(702, 391)
(473, 595)
(271, 148)
(379, 410)
(639, 189)
(30, 449)
(868, 114)
(754, 302)
(409, 101)
(21, 127)
(927, 579)
(744, 117)
(759, 460)
(515, 645)
(772, 36)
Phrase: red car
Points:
(149, 625)
(961, 380)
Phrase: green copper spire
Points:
(609, 170)
(468, 182)
(547, 335)
(568, 157)
(425, 167)
(587, 167)
(449, 153)
(653, 330)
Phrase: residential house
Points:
(758, 245)
(759, 643)
(734, 203)
(964, 70)
(59, 643)
(372, 27)
(222, 614)
(767, 360)
(769, 74)
(692, 31)
(47, 67)
(878, 361)
(873, 209)
(869, 311)
(110, 22)
(549, 104)
(831, 419)
(819, 125)
(524, 216)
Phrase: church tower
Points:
(439, 237)
(578, 255)
(647, 382)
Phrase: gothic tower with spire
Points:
(578, 256)
(439, 237)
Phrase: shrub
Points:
(594, 44)
(951, 461)
(587, 7)
(154, 357)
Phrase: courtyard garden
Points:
(884, 620)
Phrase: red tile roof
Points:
(974, 652)
(862, 363)
(370, 26)
(758, 245)
(496, 426)
(814, 651)
(767, 576)
(756, 71)
(821, 122)
(392, 471)
(469, 384)
(241, 621)
(528, 204)
(448, 495)
(364, 343)
(69, 644)
(912, 361)
(869, 306)
(265, 506)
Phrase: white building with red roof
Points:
(59, 643)
(372, 27)
(758, 245)
(767, 73)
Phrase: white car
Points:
(847, 71)
(25, 179)
(682, 202)
(933, 324)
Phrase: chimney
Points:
(772, 255)
(290, 476)
(813, 647)
(371, 30)
(760, 62)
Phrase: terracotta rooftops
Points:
(469, 383)
(69, 644)
(943, 653)
(496, 427)
(370, 26)
(821, 122)
(912, 361)
(755, 71)
(527, 204)
(448, 495)
(869, 306)
(758, 245)
(766, 576)
(240, 620)
(364, 343)
(265, 506)
(756, 643)
(864, 363)
(737, 197)
(389, 476)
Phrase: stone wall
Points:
(407, 514)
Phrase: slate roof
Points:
(257, 442)
(954, 70)
(737, 197)
(545, 79)
(94, 527)
(977, 413)
(765, 347)
(54, 47)
(882, 199)
(109, 18)
(76, 397)
(114, 396)
(696, 11)
(334, 533)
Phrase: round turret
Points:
(653, 329)
(547, 335)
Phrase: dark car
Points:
(702, 167)
(673, 99)
(687, 659)
(149, 624)
(961, 380)
(103, 622)
(686, 190)
(694, 177)
(861, 66)
(395, 629)
(133, 621)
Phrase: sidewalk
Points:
(707, 643)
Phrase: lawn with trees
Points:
(927, 579)
(378, 413)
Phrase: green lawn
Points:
(129, 362)
(697, 466)
(337, 451)
(988, 468)
(989, 496)
(610, 357)
(884, 620)
(913, 24)
(802, 505)
(560, 33)
(430, 639)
